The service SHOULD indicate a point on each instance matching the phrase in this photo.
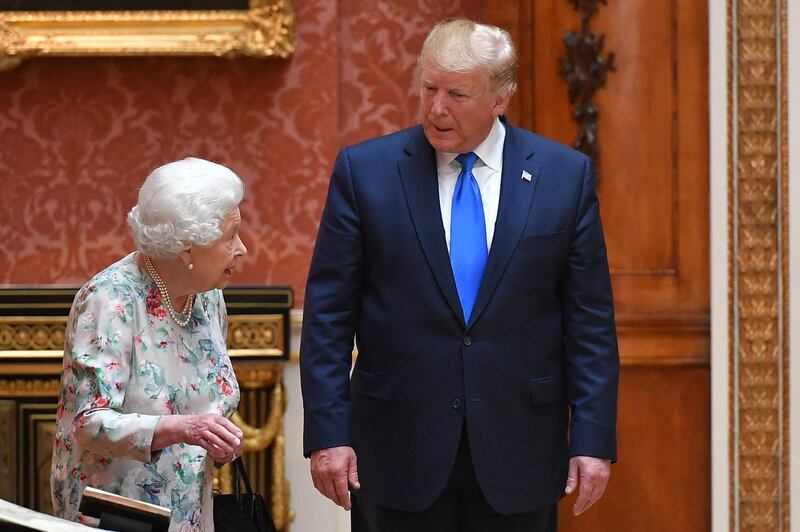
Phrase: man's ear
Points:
(501, 104)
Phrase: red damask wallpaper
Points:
(78, 136)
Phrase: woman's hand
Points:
(88, 520)
(219, 436)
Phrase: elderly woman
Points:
(147, 385)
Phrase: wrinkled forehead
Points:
(477, 77)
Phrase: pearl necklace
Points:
(185, 316)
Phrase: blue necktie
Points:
(468, 252)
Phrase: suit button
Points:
(467, 341)
(456, 403)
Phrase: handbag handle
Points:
(239, 471)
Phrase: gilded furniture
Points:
(32, 322)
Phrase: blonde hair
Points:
(463, 45)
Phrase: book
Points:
(123, 513)
(16, 518)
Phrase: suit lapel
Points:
(516, 195)
(421, 186)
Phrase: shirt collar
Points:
(490, 151)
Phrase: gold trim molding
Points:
(31, 334)
(758, 250)
(252, 335)
(25, 339)
(266, 29)
(16, 388)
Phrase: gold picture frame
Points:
(266, 29)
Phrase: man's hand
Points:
(591, 474)
(333, 470)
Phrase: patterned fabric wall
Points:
(78, 136)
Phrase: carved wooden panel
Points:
(8, 450)
(661, 482)
(36, 446)
(655, 121)
(44, 427)
(653, 134)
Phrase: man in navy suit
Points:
(467, 259)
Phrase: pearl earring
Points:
(190, 266)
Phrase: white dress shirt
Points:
(487, 171)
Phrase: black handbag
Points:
(241, 512)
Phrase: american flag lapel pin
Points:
(526, 176)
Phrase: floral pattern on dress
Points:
(126, 364)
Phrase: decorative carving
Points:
(10, 39)
(585, 71)
(29, 388)
(32, 336)
(255, 332)
(758, 245)
(783, 132)
(282, 515)
(258, 439)
(250, 378)
(265, 30)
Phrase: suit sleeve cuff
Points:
(324, 429)
(590, 439)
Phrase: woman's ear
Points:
(186, 257)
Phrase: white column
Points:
(718, 117)
(313, 512)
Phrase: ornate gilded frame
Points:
(758, 245)
(266, 29)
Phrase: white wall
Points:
(718, 116)
(313, 512)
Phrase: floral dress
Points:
(126, 364)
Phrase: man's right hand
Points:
(333, 471)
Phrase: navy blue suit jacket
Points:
(533, 374)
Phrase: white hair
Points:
(182, 204)
(463, 45)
